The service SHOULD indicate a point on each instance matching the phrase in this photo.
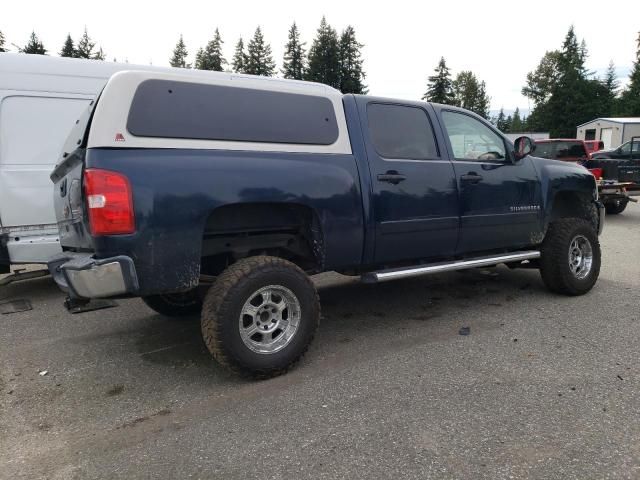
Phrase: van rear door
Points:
(33, 126)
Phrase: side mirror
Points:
(523, 146)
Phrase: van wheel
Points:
(175, 304)
(260, 316)
(614, 208)
(570, 257)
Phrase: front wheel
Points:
(615, 207)
(570, 257)
(260, 316)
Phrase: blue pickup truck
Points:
(222, 194)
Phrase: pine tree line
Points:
(85, 47)
(563, 91)
(335, 60)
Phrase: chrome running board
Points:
(395, 273)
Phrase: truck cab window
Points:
(626, 148)
(401, 132)
(471, 139)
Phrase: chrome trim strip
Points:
(449, 266)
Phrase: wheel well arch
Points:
(572, 204)
(284, 229)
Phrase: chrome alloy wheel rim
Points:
(580, 257)
(269, 319)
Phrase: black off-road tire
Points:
(175, 304)
(223, 304)
(615, 208)
(554, 262)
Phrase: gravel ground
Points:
(543, 386)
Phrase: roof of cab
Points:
(20, 63)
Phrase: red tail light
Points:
(109, 202)
(597, 172)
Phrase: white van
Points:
(41, 97)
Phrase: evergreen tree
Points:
(507, 124)
(562, 90)
(611, 80)
(541, 81)
(2, 40)
(68, 49)
(239, 61)
(351, 71)
(500, 121)
(34, 46)
(630, 99)
(465, 90)
(440, 86)
(99, 55)
(293, 65)
(211, 57)
(199, 59)
(470, 93)
(324, 57)
(516, 125)
(610, 85)
(179, 57)
(85, 46)
(259, 59)
(483, 101)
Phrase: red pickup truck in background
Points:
(594, 145)
(613, 194)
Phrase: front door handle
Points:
(470, 178)
(392, 177)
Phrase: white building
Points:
(612, 131)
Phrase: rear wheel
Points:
(175, 304)
(615, 207)
(570, 260)
(260, 316)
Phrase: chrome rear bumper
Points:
(82, 276)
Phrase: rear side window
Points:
(401, 132)
(169, 109)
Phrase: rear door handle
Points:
(470, 178)
(392, 177)
(63, 187)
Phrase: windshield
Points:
(561, 150)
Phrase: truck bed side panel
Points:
(175, 190)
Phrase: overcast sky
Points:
(499, 41)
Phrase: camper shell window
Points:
(171, 109)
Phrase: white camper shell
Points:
(41, 98)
